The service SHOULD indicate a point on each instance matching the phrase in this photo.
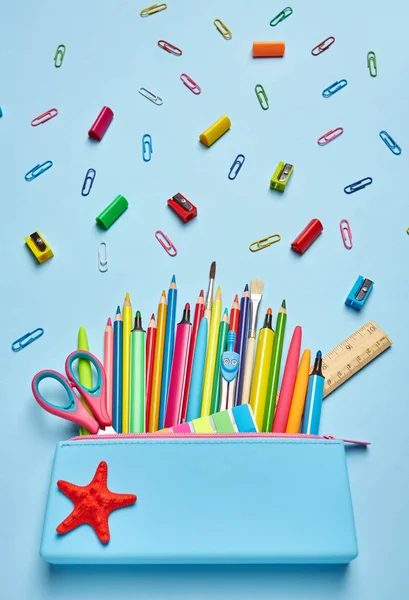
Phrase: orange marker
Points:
(268, 49)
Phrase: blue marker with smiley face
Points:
(229, 369)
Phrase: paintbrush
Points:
(256, 293)
(209, 295)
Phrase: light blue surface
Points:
(111, 52)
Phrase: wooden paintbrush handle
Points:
(248, 370)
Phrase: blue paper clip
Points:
(390, 142)
(358, 185)
(236, 166)
(27, 339)
(146, 147)
(88, 182)
(334, 87)
(37, 170)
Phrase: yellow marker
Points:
(261, 373)
(157, 365)
(215, 131)
(211, 354)
(299, 394)
(126, 362)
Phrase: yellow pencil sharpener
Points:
(39, 247)
(281, 176)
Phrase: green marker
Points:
(221, 347)
(275, 369)
(137, 384)
(84, 370)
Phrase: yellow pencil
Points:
(211, 354)
(299, 394)
(261, 374)
(126, 361)
(157, 365)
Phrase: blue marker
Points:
(196, 382)
(315, 393)
(168, 350)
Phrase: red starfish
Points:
(93, 503)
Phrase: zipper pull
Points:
(356, 442)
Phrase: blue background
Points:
(111, 52)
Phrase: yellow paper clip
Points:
(221, 27)
(264, 242)
(151, 10)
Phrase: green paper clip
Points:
(262, 96)
(371, 62)
(286, 12)
(281, 176)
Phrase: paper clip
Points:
(169, 246)
(221, 27)
(170, 48)
(264, 242)
(27, 339)
(322, 46)
(346, 233)
(150, 96)
(88, 182)
(151, 10)
(46, 116)
(286, 12)
(262, 96)
(330, 135)
(334, 87)
(371, 63)
(103, 257)
(37, 170)
(390, 142)
(59, 55)
(146, 147)
(190, 84)
(358, 185)
(236, 166)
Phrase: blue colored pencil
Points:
(242, 340)
(168, 350)
(196, 383)
(117, 384)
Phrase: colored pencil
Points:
(299, 395)
(117, 380)
(211, 354)
(196, 383)
(241, 344)
(288, 382)
(168, 349)
(109, 363)
(150, 359)
(256, 293)
(84, 371)
(234, 318)
(199, 312)
(275, 368)
(157, 367)
(209, 295)
(315, 394)
(137, 378)
(262, 366)
(178, 374)
(221, 347)
(126, 361)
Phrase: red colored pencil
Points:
(199, 312)
(150, 357)
(234, 318)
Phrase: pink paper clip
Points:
(46, 116)
(346, 233)
(169, 246)
(189, 83)
(330, 135)
(170, 48)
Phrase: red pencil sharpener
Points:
(184, 209)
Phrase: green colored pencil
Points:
(84, 370)
(275, 368)
(221, 347)
(137, 380)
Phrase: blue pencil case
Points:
(200, 499)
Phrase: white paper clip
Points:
(103, 257)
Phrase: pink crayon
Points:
(109, 363)
(287, 385)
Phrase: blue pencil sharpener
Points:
(359, 293)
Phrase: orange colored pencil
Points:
(150, 359)
(199, 312)
(234, 318)
(158, 364)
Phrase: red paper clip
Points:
(169, 246)
(46, 116)
(189, 83)
(170, 48)
(322, 47)
(184, 209)
(330, 135)
(346, 233)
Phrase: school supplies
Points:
(88, 181)
(38, 170)
(137, 378)
(261, 96)
(109, 364)
(261, 375)
(39, 247)
(264, 242)
(323, 46)
(168, 349)
(126, 358)
(235, 317)
(112, 212)
(286, 12)
(209, 295)
(150, 359)
(146, 147)
(236, 166)
(73, 410)
(178, 373)
(371, 63)
(151, 96)
(59, 55)
(221, 347)
(157, 367)
(334, 88)
(190, 84)
(299, 394)
(117, 379)
(390, 142)
(281, 176)
(152, 10)
(221, 28)
(170, 48)
(313, 404)
(166, 243)
(103, 257)
(307, 237)
(196, 382)
(331, 135)
(44, 117)
(199, 312)
(268, 49)
(215, 131)
(288, 383)
(256, 293)
(185, 210)
(346, 233)
(359, 293)
(26, 339)
(211, 354)
(84, 370)
(236, 420)
(229, 367)
(101, 124)
(271, 398)
(241, 342)
(358, 185)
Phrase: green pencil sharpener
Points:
(281, 176)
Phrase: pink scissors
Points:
(74, 410)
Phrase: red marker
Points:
(199, 312)
(288, 383)
(150, 358)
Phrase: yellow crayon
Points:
(126, 362)
(211, 354)
(157, 365)
(299, 394)
(261, 374)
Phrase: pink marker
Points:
(178, 373)
(109, 363)
(288, 383)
